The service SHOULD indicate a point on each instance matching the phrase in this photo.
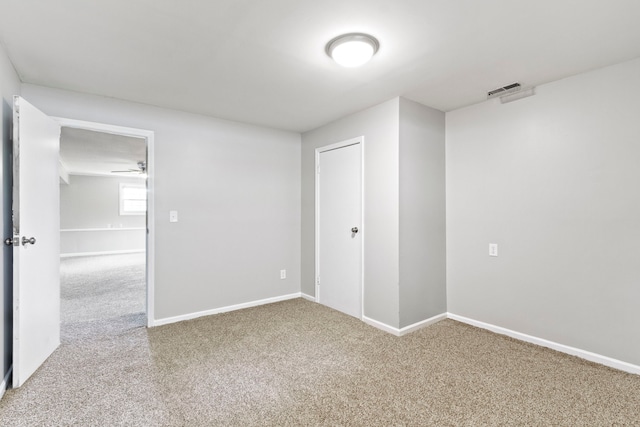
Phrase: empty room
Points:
(285, 213)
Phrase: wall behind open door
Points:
(9, 86)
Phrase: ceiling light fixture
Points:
(353, 49)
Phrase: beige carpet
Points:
(299, 363)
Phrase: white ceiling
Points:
(263, 62)
(96, 153)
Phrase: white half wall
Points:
(236, 188)
(554, 180)
(101, 241)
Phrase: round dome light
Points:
(352, 50)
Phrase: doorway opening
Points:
(106, 229)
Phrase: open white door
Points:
(36, 239)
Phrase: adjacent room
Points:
(103, 218)
(320, 213)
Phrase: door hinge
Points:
(318, 281)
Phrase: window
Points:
(133, 199)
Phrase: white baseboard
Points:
(76, 254)
(407, 329)
(189, 316)
(583, 354)
(422, 324)
(381, 326)
(308, 297)
(5, 381)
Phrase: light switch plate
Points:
(493, 249)
(173, 216)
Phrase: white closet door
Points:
(339, 228)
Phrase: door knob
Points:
(26, 241)
(354, 230)
(8, 241)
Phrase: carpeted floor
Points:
(101, 296)
(298, 363)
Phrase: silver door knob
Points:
(8, 241)
(26, 241)
(354, 230)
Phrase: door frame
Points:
(319, 150)
(148, 135)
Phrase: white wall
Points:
(422, 213)
(236, 188)
(554, 180)
(90, 219)
(9, 86)
(379, 126)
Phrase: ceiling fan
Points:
(142, 168)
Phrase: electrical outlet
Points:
(173, 216)
(283, 274)
(493, 249)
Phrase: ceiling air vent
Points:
(513, 87)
